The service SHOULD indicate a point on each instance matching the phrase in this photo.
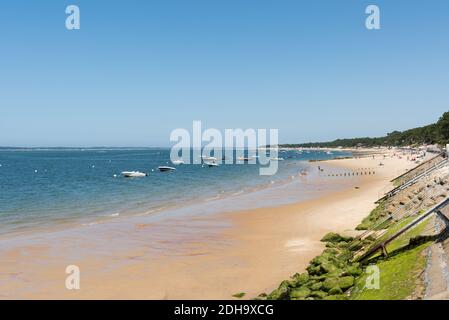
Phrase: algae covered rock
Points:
(329, 267)
(336, 297)
(319, 295)
(281, 292)
(314, 270)
(335, 291)
(301, 278)
(353, 270)
(329, 274)
(335, 238)
(300, 293)
(346, 282)
(316, 286)
(331, 251)
(262, 296)
(343, 283)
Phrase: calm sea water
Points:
(47, 187)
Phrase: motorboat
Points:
(211, 164)
(277, 159)
(245, 159)
(133, 174)
(209, 158)
(178, 162)
(165, 168)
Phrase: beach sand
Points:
(210, 257)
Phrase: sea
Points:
(42, 188)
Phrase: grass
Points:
(403, 240)
(399, 276)
(399, 273)
(239, 295)
(375, 215)
(396, 183)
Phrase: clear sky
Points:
(138, 69)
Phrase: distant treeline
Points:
(437, 133)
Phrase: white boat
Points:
(329, 152)
(177, 162)
(209, 158)
(133, 174)
(245, 159)
(211, 164)
(277, 159)
(165, 168)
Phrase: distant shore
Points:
(206, 257)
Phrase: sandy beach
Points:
(206, 257)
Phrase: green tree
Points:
(443, 128)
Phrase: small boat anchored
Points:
(211, 164)
(178, 162)
(165, 168)
(133, 174)
(245, 159)
(205, 158)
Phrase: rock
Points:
(335, 291)
(318, 278)
(331, 244)
(343, 283)
(353, 270)
(280, 293)
(300, 293)
(262, 296)
(343, 244)
(239, 295)
(318, 294)
(331, 251)
(318, 260)
(328, 267)
(316, 286)
(336, 297)
(335, 237)
(293, 283)
(301, 279)
(346, 282)
(314, 270)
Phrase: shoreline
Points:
(211, 257)
(188, 205)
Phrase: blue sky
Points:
(138, 69)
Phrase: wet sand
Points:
(204, 257)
